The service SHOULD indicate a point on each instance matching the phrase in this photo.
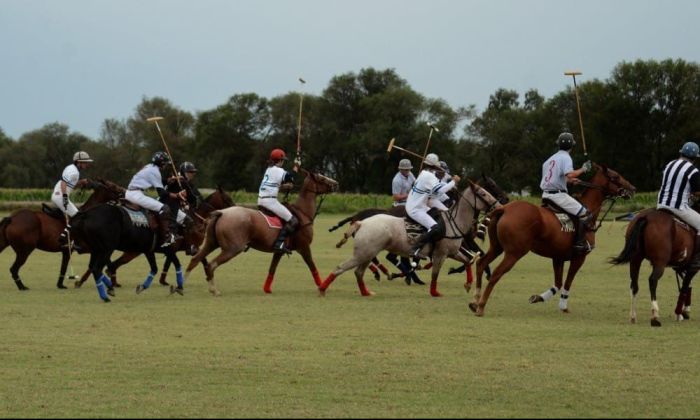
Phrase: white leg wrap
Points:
(564, 300)
(549, 293)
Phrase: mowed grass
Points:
(400, 353)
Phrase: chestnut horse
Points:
(235, 229)
(520, 227)
(665, 241)
(384, 232)
(217, 200)
(26, 230)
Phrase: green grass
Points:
(400, 353)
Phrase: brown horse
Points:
(520, 227)
(666, 242)
(235, 229)
(26, 230)
(217, 200)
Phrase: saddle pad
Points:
(413, 229)
(273, 221)
(138, 218)
(567, 225)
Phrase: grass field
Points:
(400, 353)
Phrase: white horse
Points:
(384, 232)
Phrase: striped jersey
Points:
(680, 178)
(427, 186)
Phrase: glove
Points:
(65, 201)
(297, 161)
(587, 166)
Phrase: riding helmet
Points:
(432, 160)
(187, 167)
(277, 154)
(81, 157)
(690, 150)
(160, 158)
(566, 141)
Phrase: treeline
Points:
(634, 121)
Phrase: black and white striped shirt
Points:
(680, 179)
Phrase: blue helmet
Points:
(690, 150)
(566, 141)
(160, 158)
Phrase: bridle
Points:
(621, 192)
(317, 192)
(453, 211)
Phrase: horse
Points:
(236, 229)
(664, 240)
(217, 200)
(520, 227)
(384, 232)
(108, 227)
(26, 230)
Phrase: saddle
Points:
(139, 216)
(565, 219)
(273, 220)
(680, 222)
(415, 229)
(52, 211)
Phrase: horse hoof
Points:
(435, 294)
(115, 284)
(536, 299)
(321, 292)
(655, 322)
(633, 320)
(60, 286)
(140, 289)
(686, 315)
(106, 300)
(164, 283)
(376, 276)
(367, 293)
(472, 307)
(177, 290)
(110, 292)
(565, 311)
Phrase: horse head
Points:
(103, 191)
(494, 189)
(219, 199)
(319, 184)
(483, 199)
(612, 183)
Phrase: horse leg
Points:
(381, 267)
(470, 277)
(574, 266)
(98, 259)
(656, 273)
(65, 257)
(635, 265)
(506, 264)
(113, 266)
(375, 271)
(179, 278)
(347, 265)
(305, 253)
(21, 256)
(276, 257)
(481, 265)
(558, 267)
(219, 260)
(437, 263)
(682, 297)
(83, 278)
(150, 257)
(359, 272)
(164, 273)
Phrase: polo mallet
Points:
(427, 145)
(72, 275)
(392, 146)
(297, 159)
(578, 108)
(167, 150)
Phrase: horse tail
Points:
(341, 223)
(3, 237)
(354, 227)
(634, 242)
(210, 236)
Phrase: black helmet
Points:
(566, 141)
(160, 158)
(187, 167)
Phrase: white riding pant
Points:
(138, 197)
(422, 217)
(57, 199)
(276, 207)
(566, 202)
(687, 215)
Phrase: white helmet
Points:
(405, 164)
(81, 157)
(432, 160)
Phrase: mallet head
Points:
(154, 119)
(572, 73)
(302, 80)
(391, 145)
(432, 126)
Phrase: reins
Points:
(451, 214)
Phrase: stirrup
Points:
(169, 240)
(281, 249)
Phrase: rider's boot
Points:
(581, 245)
(432, 235)
(289, 227)
(166, 227)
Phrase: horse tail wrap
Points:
(341, 223)
(354, 227)
(632, 244)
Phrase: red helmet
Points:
(277, 154)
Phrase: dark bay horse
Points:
(520, 227)
(659, 237)
(108, 227)
(26, 230)
(235, 229)
(384, 232)
(217, 200)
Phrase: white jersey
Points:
(70, 176)
(270, 185)
(426, 187)
(149, 176)
(554, 172)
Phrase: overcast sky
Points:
(79, 62)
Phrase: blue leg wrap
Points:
(104, 279)
(101, 289)
(180, 278)
(149, 279)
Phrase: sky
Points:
(79, 62)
